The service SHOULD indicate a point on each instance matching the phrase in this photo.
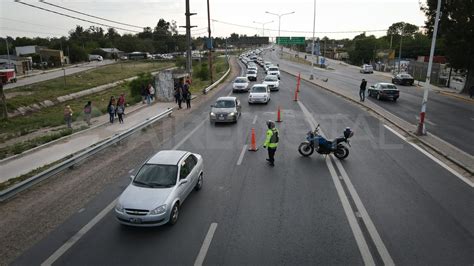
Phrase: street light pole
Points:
(421, 126)
(263, 26)
(312, 47)
(210, 41)
(279, 20)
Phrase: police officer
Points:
(271, 142)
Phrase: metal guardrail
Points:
(17, 188)
(213, 85)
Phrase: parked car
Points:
(259, 93)
(403, 79)
(95, 57)
(366, 69)
(272, 82)
(226, 109)
(159, 189)
(274, 70)
(252, 75)
(240, 84)
(384, 91)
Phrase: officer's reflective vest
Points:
(272, 138)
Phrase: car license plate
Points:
(135, 220)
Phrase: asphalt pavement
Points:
(386, 203)
(449, 118)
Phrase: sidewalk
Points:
(56, 150)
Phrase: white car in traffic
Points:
(259, 93)
(274, 70)
(272, 82)
(240, 84)
(252, 75)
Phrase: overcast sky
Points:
(342, 16)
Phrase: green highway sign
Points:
(290, 40)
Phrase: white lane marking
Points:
(81, 210)
(374, 234)
(66, 246)
(356, 230)
(395, 132)
(242, 153)
(254, 119)
(205, 245)
(189, 135)
(436, 160)
(426, 120)
(131, 170)
(58, 253)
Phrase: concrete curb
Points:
(411, 134)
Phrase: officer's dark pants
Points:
(271, 154)
(362, 94)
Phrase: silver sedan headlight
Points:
(159, 210)
(232, 114)
(212, 114)
(119, 207)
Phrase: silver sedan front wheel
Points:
(174, 214)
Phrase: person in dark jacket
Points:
(143, 92)
(187, 95)
(363, 86)
(111, 108)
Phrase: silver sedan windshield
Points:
(156, 175)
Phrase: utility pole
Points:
(421, 126)
(312, 46)
(189, 62)
(400, 52)
(8, 52)
(210, 41)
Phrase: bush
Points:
(181, 62)
(136, 85)
(202, 72)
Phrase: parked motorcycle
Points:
(314, 141)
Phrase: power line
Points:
(49, 33)
(29, 23)
(297, 31)
(78, 12)
(73, 17)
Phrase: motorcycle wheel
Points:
(305, 149)
(341, 152)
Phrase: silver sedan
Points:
(160, 187)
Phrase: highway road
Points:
(57, 73)
(449, 118)
(386, 203)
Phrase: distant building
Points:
(21, 64)
(47, 56)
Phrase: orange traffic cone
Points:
(279, 115)
(253, 145)
(298, 82)
(296, 95)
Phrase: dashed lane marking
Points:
(254, 120)
(205, 245)
(242, 153)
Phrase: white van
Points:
(95, 57)
(366, 69)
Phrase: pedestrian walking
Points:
(143, 92)
(187, 95)
(68, 116)
(363, 86)
(111, 109)
(120, 111)
(88, 112)
(147, 93)
(151, 90)
(176, 85)
(271, 141)
(179, 95)
(471, 92)
(121, 102)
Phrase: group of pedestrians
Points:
(148, 93)
(116, 107)
(182, 93)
